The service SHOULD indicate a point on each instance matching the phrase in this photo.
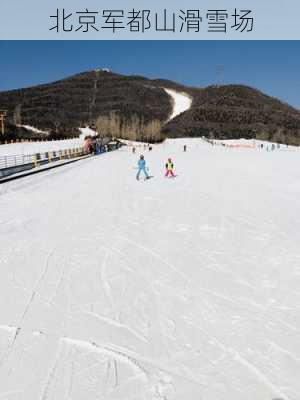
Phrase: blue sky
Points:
(271, 66)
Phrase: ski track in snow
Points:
(170, 290)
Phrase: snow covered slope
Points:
(181, 102)
(168, 289)
(87, 132)
(33, 129)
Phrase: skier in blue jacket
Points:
(142, 168)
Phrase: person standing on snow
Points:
(142, 168)
(169, 168)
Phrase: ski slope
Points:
(33, 129)
(167, 289)
(181, 102)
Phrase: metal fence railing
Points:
(13, 161)
(13, 164)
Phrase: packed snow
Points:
(181, 102)
(167, 289)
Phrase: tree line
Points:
(133, 128)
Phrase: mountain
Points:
(229, 111)
(235, 111)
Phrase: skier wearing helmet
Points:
(142, 168)
(169, 168)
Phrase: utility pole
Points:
(220, 72)
(2, 118)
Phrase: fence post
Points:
(35, 161)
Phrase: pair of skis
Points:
(145, 179)
(151, 176)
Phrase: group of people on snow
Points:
(92, 145)
(145, 147)
(142, 168)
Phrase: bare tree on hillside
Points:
(152, 131)
(133, 128)
(108, 125)
(17, 118)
